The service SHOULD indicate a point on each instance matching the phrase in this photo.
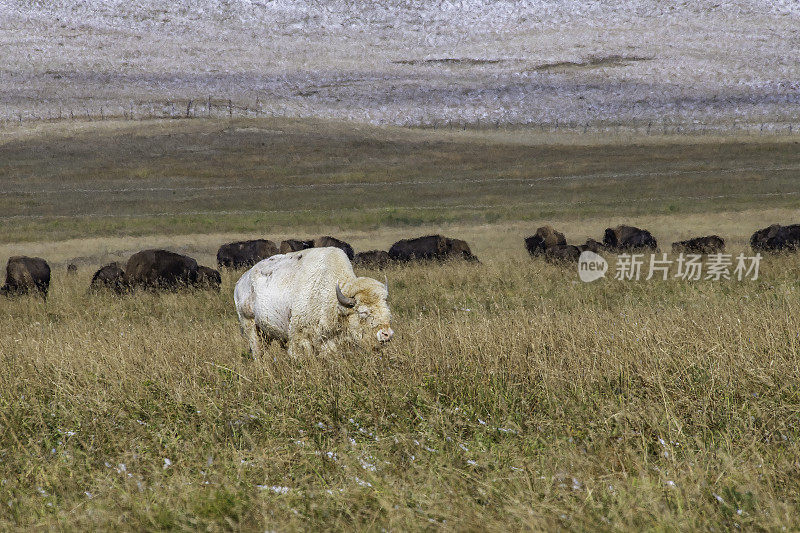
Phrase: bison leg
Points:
(330, 348)
(250, 332)
(300, 347)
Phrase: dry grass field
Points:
(513, 396)
(279, 175)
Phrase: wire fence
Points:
(213, 107)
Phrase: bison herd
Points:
(165, 270)
(552, 246)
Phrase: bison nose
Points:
(385, 334)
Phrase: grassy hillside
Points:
(275, 175)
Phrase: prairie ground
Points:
(513, 395)
(280, 176)
(723, 64)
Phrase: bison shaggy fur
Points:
(208, 278)
(322, 242)
(111, 277)
(160, 269)
(713, 244)
(623, 238)
(372, 259)
(25, 275)
(244, 254)
(562, 253)
(431, 247)
(776, 238)
(295, 245)
(544, 238)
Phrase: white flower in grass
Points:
(167, 463)
(277, 489)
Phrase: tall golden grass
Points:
(512, 397)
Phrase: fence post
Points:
(230, 108)
(188, 108)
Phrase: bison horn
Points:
(344, 300)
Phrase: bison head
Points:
(362, 303)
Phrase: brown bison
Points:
(372, 259)
(160, 269)
(544, 238)
(562, 253)
(244, 254)
(458, 249)
(72, 268)
(713, 244)
(111, 277)
(26, 274)
(322, 242)
(776, 238)
(592, 246)
(295, 245)
(208, 278)
(434, 247)
(625, 238)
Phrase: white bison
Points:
(312, 302)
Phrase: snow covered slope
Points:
(410, 62)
